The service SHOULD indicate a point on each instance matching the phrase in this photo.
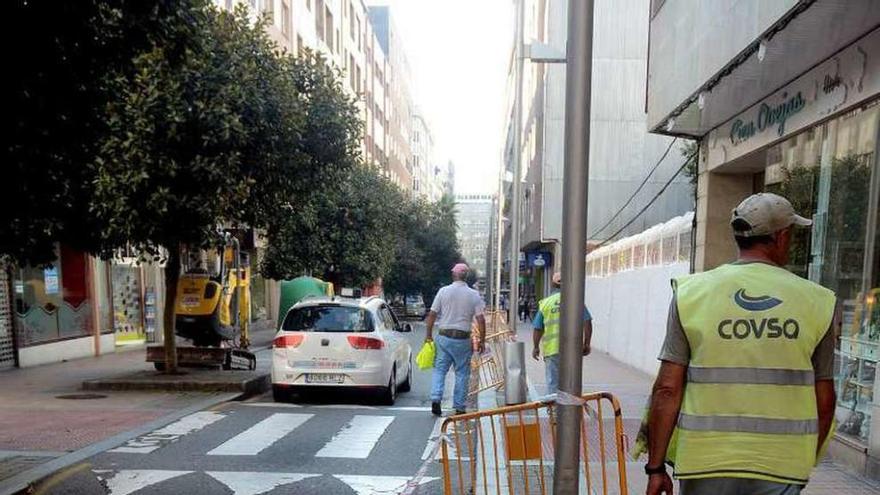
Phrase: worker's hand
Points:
(428, 338)
(659, 484)
(536, 354)
(481, 347)
(586, 349)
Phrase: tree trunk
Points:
(172, 274)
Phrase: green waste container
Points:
(294, 291)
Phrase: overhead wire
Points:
(645, 181)
(656, 196)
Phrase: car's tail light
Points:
(365, 342)
(287, 341)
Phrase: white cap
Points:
(765, 214)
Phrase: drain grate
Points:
(81, 396)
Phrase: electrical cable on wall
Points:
(655, 198)
(628, 201)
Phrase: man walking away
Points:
(453, 311)
(545, 336)
(747, 368)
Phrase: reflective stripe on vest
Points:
(549, 308)
(763, 376)
(749, 408)
(744, 424)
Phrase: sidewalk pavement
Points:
(632, 387)
(45, 414)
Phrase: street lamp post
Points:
(579, 60)
(517, 165)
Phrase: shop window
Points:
(830, 173)
(52, 303)
(652, 256)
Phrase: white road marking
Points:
(432, 439)
(127, 481)
(356, 439)
(263, 434)
(377, 485)
(169, 433)
(284, 405)
(255, 483)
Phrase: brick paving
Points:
(34, 417)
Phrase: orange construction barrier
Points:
(510, 450)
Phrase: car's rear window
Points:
(327, 318)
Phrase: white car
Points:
(340, 342)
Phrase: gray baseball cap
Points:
(764, 214)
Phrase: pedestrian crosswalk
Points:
(130, 481)
(357, 439)
(254, 450)
(263, 434)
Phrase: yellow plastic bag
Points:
(425, 357)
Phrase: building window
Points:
(300, 46)
(319, 19)
(269, 9)
(309, 4)
(285, 18)
(328, 26)
(351, 21)
(827, 173)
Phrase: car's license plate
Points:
(324, 378)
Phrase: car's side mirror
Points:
(407, 328)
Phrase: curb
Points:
(247, 387)
(22, 483)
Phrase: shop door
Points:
(7, 347)
(128, 314)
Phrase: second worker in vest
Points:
(747, 368)
(546, 334)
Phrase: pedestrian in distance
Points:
(533, 307)
(453, 311)
(545, 334)
(744, 398)
(522, 308)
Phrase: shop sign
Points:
(540, 259)
(767, 117)
(50, 280)
(19, 287)
(849, 78)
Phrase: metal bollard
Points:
(515, 390)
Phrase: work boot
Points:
(435, 409)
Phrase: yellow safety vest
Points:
(549, 308)
(749, 408)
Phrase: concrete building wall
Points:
(621, 149)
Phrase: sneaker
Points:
(435, 409)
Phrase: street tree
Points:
(58, 87)
(201, 136)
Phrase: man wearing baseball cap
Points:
(454, 308)
(545, 335)
(747, 367)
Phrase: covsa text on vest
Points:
(770, 328)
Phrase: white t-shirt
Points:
(456, 306)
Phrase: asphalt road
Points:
(322, 444)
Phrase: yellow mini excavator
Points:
(212, 309)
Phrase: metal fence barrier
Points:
(487, 370)
(510, 450)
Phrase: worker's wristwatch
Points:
(661, 469)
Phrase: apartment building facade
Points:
(474, 216)
(622, 151)
(784, 96)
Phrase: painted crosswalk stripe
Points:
(356, 439)
(262, 435)
(128, 481)
(256, 483)
(169, 434)
(434, 438)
